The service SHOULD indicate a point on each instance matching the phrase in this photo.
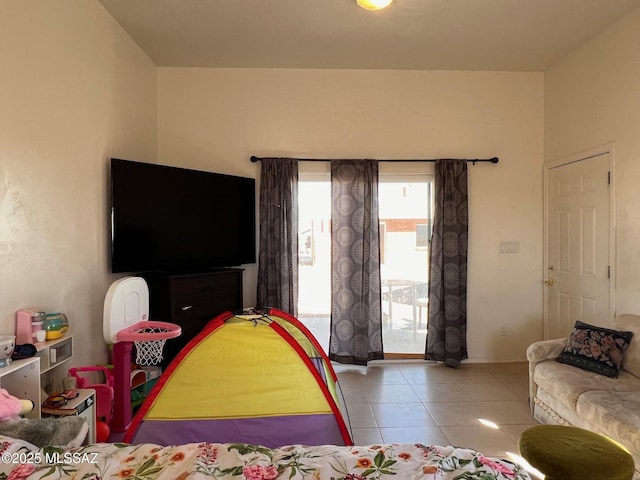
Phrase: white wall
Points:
(592, 97)
(74, 91)
(215, 119)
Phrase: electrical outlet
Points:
(510, 246)
(503, 331)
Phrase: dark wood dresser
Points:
(190, 301)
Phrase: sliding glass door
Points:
(405, 230)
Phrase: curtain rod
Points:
(255, 159)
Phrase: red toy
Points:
(102, 431)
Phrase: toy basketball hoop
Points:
(149, 338)
(126, 325)
(126, 319)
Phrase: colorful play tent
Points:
(258, 378)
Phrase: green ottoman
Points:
(570, 453)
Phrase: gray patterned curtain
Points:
(447, 328)
(356, 315)
(278, 251)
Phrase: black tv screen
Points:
(174, 220)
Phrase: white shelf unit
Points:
(36, 377)
(21, 378)
(55, 358)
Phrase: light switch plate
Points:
(510, 246)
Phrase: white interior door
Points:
(578, 242)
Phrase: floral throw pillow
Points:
(596, 349)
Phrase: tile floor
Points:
(430, 403)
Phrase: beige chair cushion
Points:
(567, 383)
(631, 356)
(615, 414)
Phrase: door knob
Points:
(549, 282)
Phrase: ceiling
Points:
(511, 35)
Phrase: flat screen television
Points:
(177, 220)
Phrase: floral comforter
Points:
(207, 461)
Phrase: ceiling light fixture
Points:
(374, 4)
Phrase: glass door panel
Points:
(405, 230)
(405, 221)
(314, 255)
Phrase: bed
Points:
(120, 461)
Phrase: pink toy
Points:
(104, 391)
(12, 407)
